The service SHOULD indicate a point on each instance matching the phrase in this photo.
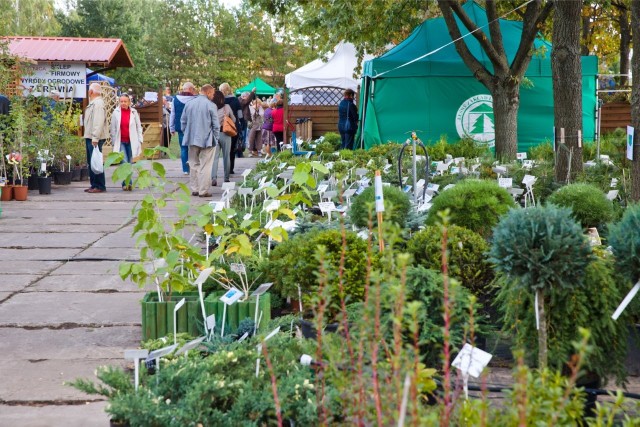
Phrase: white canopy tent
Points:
(336, 71)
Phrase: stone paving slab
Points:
(104, 283)
(48, 240)
(43, 380)
(63, 228)
(111, 222)
(88, 268)
(61, 344)
(16, 282)
(58, 254)
(29, 267)
(90, 414)
(63, 309)
(5, 295)
(116, 240)
(110, 254)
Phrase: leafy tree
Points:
(28, 18)
(566, 70)
(504, 81)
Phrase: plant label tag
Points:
(527, 164)
(217, 206)
(246, 216)
(455, 170)
(322, 188)
(157, 354)
(228, 186)
(261, 289)
(471, 360)
(424, 207)
(387, 167)
(379, 196)
(231, 296)
(246, 173)
(272, 334)
(271, 205)
(433, 187)
(370, 162)
(190, 345)
(406, 188)
(349, 193)
(505, 182)
(327, 207)
(243, 337)
(211, 322)
(203, 276)
(614, 183)
(625, 302)
(364, 182)
(309, 154)
(359, 190)
(521, 156)
(448, 186)
(179, 305)
(329, 165)
(43, 167)
(68, 157)
(529, 180)
(420, 183)
(273, 224)
(136, 354)
(612, 194)
(238, 268)
(630, 142)
(282, 165)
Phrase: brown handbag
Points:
(229, 127)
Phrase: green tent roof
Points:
(432, 39)
(262, 88)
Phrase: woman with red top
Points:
(278, 123)
(126, 132)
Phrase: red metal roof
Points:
(103, 52)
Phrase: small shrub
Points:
(294, 263)
(334, 139)
(588, 203)
(285, 155)
(473, 204)
(396, 207)
(542, 152)
(624, 238)
(324, 147)
(467, 255)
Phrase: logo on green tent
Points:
(475, 119)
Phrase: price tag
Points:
(505, 182)
(204, 275)
(271, 205)
(327, 207)
(246, 173)
(43, 167)
(217, 206)
(238, 268)
(521, 156)
(231, 296)
(261, 289)
(322, 188)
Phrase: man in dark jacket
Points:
(177, 107)
(347, 120)
(245, 101)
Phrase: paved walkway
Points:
(63, 309)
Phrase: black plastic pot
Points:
(84, 173)
(309, 328)
(44, 184)
(75, 174)
(32, 182)
(62, 178)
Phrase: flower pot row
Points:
(157, 317)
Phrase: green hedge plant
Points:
(624, 238)
(588, 203)
(542, 250)
(396, 207)
(467, 255)
(473, 204)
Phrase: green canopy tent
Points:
(422, 84)
(262, 88)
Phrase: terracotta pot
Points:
(20, 192)
(7, 193)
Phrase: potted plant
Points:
(44, 179)
(20, 191)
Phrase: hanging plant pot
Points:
(32, 182)
(20, 192)
(62, 178)
(44, 184)
(7, 193)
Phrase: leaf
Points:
(113, 158)
(124, 269)
(287, 212)
(159, 169)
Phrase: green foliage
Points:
(425, 285)
(589, 205)
(466, 255)
(396, 207)
(540, 248)
(624, 238)
(542, 152)
(334, 139)
(473, 204)
(589, 306)
(294, 263)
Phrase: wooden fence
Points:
(318, 104)
(615, 115)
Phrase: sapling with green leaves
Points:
(541, 249)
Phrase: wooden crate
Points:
(151, 137)
(304, 130)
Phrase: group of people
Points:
(198, 118)
(125, 129)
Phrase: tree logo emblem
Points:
(475, 119)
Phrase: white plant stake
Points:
(157, 354)
(261, 290)
(175, 320)
(204, 275)
(69, 159)
(470, 361)
(625, 302)
(537, 311)
(229, 298)
(136, 355)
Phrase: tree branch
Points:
(533, 18)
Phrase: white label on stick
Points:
(238, 268)
(471, 360)
(379, 194)
(261, 289)
(625, 302)
(231, 296)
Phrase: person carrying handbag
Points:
(224, 143)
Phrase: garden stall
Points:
(423, 85)
(262, 88)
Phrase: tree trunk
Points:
(567, 87)
(506, 101)
(625, 41)
(542, 332)
(635, 104)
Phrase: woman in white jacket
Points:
(126, 132)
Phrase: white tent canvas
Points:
(336, 71)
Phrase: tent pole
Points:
(285, 114)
